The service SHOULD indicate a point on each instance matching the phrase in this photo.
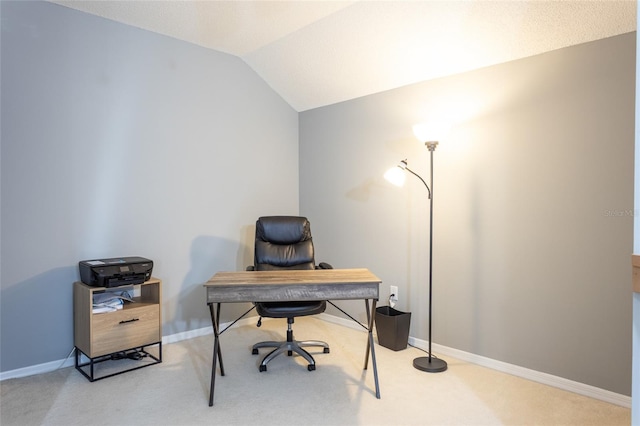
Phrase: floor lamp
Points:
(425, 133)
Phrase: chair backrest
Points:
(283, 242)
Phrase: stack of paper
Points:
(110, 301)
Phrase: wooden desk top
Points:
(292, 285)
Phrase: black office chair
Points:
(284, 242)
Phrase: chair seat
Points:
(290, 309)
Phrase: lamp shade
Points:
(431, 132)
(395, 175)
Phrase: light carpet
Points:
(338, 392)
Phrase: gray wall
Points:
(533, 221)
(115, 142)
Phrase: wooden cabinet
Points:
(124, 333)
(635, 262)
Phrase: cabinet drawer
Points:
(125, 329)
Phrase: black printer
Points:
(115, 272)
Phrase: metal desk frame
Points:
(288, 285)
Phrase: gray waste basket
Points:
(392, 327)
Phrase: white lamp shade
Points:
(431, 132)
(395, 175)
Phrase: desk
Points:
(291, 285)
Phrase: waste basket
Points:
(392, 327)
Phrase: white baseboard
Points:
(525, 373)
(38, 369)
(69, 361)
(186, 335)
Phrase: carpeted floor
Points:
(339, 392)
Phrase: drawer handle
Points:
(131, 320)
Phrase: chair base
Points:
(291, 347)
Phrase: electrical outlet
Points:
(393, 290)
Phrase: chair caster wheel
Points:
(263, 368)
(311, 367)
(254, 352)
(289, 353)
(326, 350)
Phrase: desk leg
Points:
(217, 335)
(366, 355)
(217, 354)
(370, 344)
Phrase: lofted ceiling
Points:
(316, 53)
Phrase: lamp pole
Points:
(424, 132)
(429, 363)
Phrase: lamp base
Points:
(433, 365)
